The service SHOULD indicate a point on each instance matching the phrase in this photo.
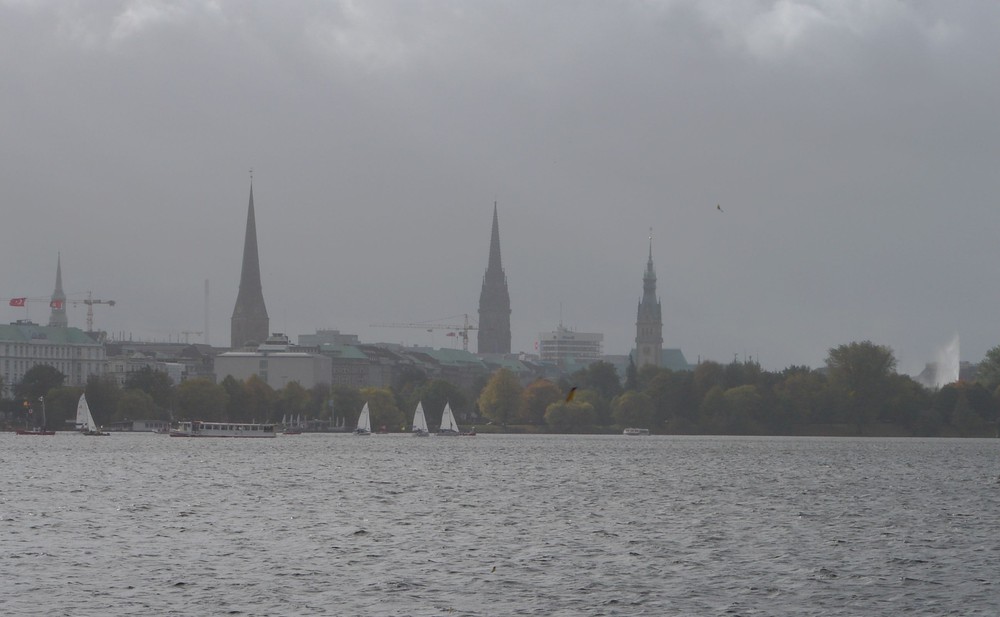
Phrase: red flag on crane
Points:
(56, 304)
(18, 301)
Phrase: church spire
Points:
(649, 278)
(58, 317)
(649, 321)
(494, 300)
(250, 322)
(494, 263)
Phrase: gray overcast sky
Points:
(853, 147)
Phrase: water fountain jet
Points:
(947, 363)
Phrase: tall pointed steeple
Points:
(494, 300)
(58, 317)
(250, 322)
(649, 319)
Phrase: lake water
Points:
(142, 524)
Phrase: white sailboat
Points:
(420, 422)
(449, 427)
(85, 420)
(364, 422)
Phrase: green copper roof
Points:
(450, 357)
(32, 333)
(345, 352)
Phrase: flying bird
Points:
(571, 394)
(719, 207)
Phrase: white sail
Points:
(364, 421)
(82, 410)
(419, 420)
(84, 419)
(448, 423)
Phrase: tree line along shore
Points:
(857, 392)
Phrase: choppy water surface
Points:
(498, 525)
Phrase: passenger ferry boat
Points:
(197, 428)
(636, 431)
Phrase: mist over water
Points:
(947, 363)
(498, 525)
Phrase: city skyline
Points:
(816, 173)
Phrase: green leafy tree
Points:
(60, 407)
(292, 401)
(743, 373)
(600, 405)
(735, 411)
(384, 410)
(744, 409)
(631, 375)
(37, 381)
(633, 409)
(319, 397)
(708, 375)
(863, 371)
(647, 374)
(535, 399)
(967, 407)
(600, 376)
(346, 403)
(238, 400)
(675, 407)
(260, 401)
(501, 397)
(988, 373)
(800, 397)
(200, 399)
(570, 417)
(713, 411)
(157, 384)
(907, 399)
(102, 398)
(407, 381)
(434, 395)
(136, 404)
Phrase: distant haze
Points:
(853, 147)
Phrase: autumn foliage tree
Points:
(633, 409)
(384, 410)
(500, 399)
(570, 417)
(535, 399)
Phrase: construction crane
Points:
(24, 301)
(58, 304)
(456, 330)
(188, 333)
(90, 302)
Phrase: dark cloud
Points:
(852, 144)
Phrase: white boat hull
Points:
(224, 429)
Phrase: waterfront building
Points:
(180, 361)
(71, 351)
(250, 323)
(494, 301)
(328, 337)
(565, 347)
(649, 320)
(277, 363)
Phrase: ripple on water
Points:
(498, 525)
